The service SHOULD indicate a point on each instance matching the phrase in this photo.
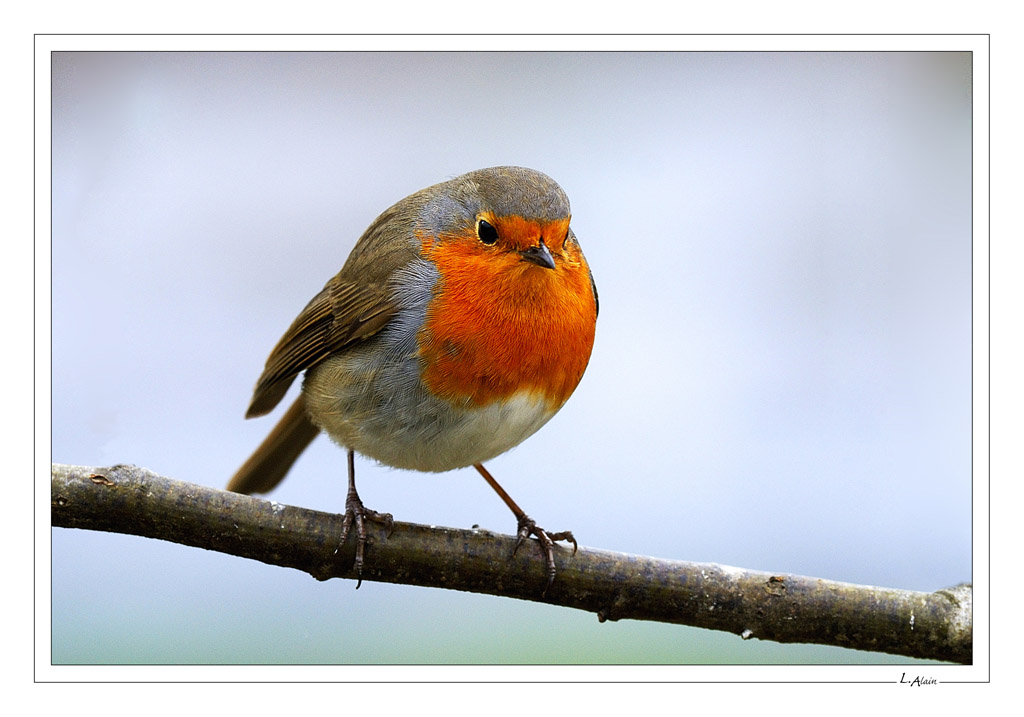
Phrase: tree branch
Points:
(783, 608)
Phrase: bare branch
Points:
(783, 608)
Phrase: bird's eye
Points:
(486, 231)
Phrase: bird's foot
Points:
(357, 514)
(528, 527)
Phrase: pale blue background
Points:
(781, 378)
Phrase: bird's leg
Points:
(528, 527)
(356, 512)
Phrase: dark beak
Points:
(539, 255)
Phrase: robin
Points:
(461, 322)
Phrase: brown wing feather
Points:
(353, 306)
(338, 316)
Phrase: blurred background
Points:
(781, 379)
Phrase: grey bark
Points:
(614, 586)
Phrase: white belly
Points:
(395, 421)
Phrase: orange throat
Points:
(499, 326)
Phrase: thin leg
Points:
(356, 512)
(527, 527)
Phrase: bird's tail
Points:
(269, 464)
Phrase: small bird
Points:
(461, 322)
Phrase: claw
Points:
(356, 513)
(528, 527)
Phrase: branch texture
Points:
(615, 586)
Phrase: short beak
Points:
(539, 255)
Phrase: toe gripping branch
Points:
(356, 513)
(527, 527)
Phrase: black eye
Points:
(487, 233)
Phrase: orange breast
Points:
(499, 325)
